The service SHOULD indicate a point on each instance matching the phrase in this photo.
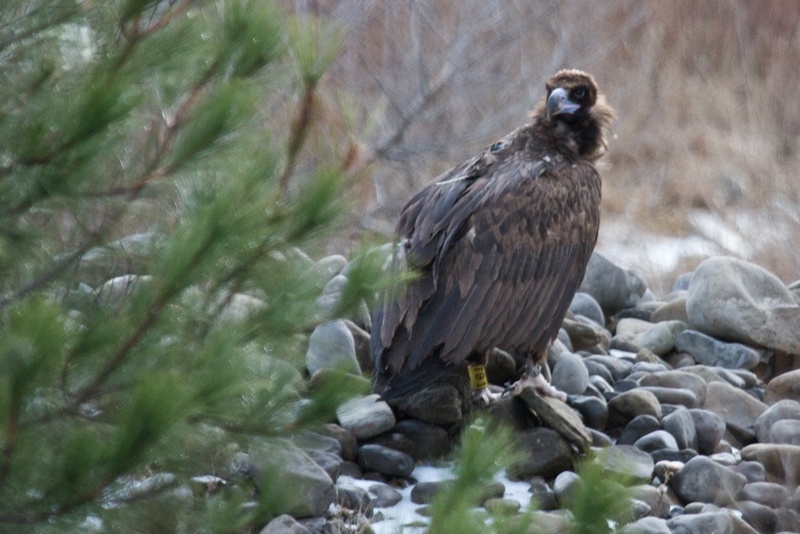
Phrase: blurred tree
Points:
(152, 285)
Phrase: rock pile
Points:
(694, 396)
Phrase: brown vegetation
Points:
(705, 91)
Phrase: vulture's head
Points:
(570, 94)
(575, 111)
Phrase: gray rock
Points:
(752, 471)
(709, 351)
(781, 462)
(661, 337)
(738, 409)
(425, 492)
(416, 438)
(781, 410)
(788, 520)
(646, 525)
(655, 498)
(365, 417)
(674, 310)
(547, 454)
(785, 431)
(563, 485)
(346, 439)
(284, 524)
(542, 496)
(657, 440)
(584, 304)
(762, 518)
(116, 291)
(676, 396)
(331, 346)
(385, 495)
(628, 405)
(438, 405)
(330, 463)
(702, 480)
(677, 379)
(682, 282)
(612, 287)
(681, 425)
(354, 498)
(361, 340)
(784, 386)
(766, 493)
(628, 462)
(585, 334)
(570, 374)
(639, 426)
(593, 410)
(385, 460)
(618, 367)
(308, 490)
(703, 523)
(630, 328)
(739, 301)
(330, 266)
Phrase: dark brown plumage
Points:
(500, 244)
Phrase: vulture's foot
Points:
(485, 397)
(539, 384)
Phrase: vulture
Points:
(499, 245)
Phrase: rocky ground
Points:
(695, 396)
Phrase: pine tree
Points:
(154, 291)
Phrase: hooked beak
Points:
(558, 103)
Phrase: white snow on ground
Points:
(398, 518)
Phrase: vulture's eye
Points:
(579, 93)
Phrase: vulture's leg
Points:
(534, 377)
(480, 384)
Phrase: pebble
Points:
(384, 495)
(570, 375)
(681, 426)
(315, 490)
(733, 299)
(639, 426)
(628, 462)
(785, 386)
(585, 305)
(781, 462)
(785, 431)
(661, 337)
(703, 480)
(709, 351)
(613, 287)
(656, 441)
(331, 346)
(629, 404)
(548, 454)
(677, 396)
(365, 417)
(673, 310)
(284, 524)
(418, 439)
(736, 408)
(786, 409)
(385, 460)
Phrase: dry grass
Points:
(706, 94)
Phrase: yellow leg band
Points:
(477, 377)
